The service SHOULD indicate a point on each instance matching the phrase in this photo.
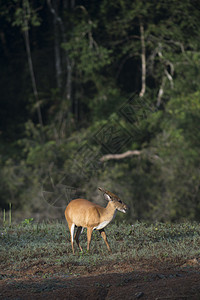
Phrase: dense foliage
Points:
(84, 79)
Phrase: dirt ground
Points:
(133, 280)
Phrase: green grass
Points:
(48, 244)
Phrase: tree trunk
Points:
(30, 63)
(161, 92)
(57, 50)
(143, 60)
(68, 62)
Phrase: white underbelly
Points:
(102, 225)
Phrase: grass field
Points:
(158, 261)
(49, 243)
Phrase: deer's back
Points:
(83, 213)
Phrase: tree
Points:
(24, 16)
(131, 68)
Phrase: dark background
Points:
(71, 92)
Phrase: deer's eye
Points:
(120, 201)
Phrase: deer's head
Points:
(119, 205)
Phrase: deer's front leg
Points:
(103, 234)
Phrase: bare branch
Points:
(120, 156)
(130, 153)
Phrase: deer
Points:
(82, 213)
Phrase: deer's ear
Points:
(107, 197)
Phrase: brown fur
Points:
(85, 214)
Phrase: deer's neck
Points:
(109, 212)
(107, 215)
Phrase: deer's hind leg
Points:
(71, 229)
(77, 235)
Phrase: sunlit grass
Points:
(49, 243)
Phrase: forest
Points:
(100, 93)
